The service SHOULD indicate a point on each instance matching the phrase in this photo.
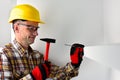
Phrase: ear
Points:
(16, 28)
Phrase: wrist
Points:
(75, 65)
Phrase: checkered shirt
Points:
(16, 63)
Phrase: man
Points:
(18, 61)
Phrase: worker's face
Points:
(27, 31)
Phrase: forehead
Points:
(25, 21)
(30, 22)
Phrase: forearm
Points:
(63, 73)
(27, 77)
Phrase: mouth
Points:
(32, 38)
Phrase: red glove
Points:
(41, 72)
(76, 54)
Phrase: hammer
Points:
(48, 41)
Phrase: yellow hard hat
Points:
(25, 12)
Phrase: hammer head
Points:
(49, 40)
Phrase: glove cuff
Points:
(44, 70)
(36, 73)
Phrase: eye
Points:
(30, 27)
(33, 28)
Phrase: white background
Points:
(94, 23)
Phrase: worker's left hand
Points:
(76, 54)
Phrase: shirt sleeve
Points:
(58, 73)
(5, 69)
(63, 73)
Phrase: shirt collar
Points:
(20, 49)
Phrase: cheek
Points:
(23, 33)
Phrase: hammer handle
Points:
(47, 51)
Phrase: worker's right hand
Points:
(41, 72)
(76, 54)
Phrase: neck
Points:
(23, 44)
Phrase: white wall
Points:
(5, 33)
(107, 56)
(94, 23)
(111, 9)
